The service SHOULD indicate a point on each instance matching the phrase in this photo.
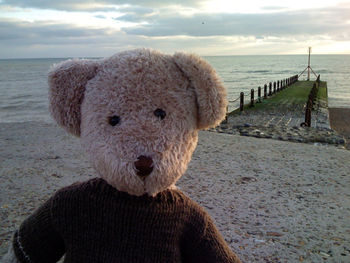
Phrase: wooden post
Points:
(270, 89)
(308, 65)
(308, 114)
(274, 87)
(307, 122)
(241, 101)
(278, 85)
(259, 94)
(313, 93)
(265, 91)
(252, 98)
(225, 121)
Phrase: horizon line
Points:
(97, 57)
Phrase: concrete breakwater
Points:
(285, 133)
(280, 119)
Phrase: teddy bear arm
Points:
(206, 244)
(37, 240)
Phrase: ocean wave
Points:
(258, 71)
(250, 71)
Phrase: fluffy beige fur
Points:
(84, 94)
(67, 83)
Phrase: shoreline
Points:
(273, 201)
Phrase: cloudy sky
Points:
(95, 28)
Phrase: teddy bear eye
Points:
(160, 113)
(114, 120)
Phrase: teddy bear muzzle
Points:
(144, 166)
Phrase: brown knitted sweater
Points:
(93, 222)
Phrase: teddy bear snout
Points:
(144, 166)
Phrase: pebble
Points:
(274, 234)
(324, 255)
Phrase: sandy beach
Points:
(274, 201)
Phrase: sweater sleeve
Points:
(204, 243)
(36, 241)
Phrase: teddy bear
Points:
(137, 114)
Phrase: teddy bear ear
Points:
(67, 81)
(209, 90)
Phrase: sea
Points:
(24, 89)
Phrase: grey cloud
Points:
(21, 39)
(40, 31)
(40, 39)
(129, 18)
(342, 36)
(65, 5)
(107, 5)
(312, 22)
(135, 14)
(136, 10)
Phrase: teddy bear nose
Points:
(144, 166)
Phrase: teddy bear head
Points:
(138, 113)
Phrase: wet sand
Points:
(340, 122)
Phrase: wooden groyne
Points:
(310, 103)
(279, 117)
(268, 90)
